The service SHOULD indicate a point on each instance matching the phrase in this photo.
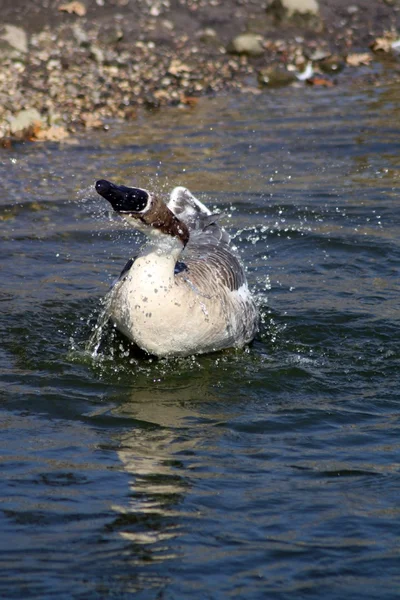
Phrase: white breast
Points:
(165, 315)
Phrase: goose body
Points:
(186, 291)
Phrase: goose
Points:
(186, 291)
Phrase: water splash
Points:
(94, 342)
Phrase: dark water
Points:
(268, 473)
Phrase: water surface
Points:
(271, 472)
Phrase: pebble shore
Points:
(81, 65)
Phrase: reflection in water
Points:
(150, 451)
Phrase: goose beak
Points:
(123, 199)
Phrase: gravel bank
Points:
(71, 65)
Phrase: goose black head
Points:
(143, 210)
(123, 199)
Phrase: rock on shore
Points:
(82, 64)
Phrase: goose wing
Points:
(207, 254)
(201, 222)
